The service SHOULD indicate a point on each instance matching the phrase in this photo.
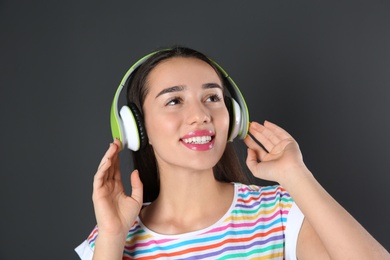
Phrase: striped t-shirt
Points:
(262, 223)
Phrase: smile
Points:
(197, 140)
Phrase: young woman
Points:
(189, 197)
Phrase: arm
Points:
(328, 229)
(115, 211)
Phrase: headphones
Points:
(127, 123)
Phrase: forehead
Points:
(182, 70)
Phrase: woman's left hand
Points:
(283, 158)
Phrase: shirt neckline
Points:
(196, 232)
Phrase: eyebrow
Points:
(182, 87)
(211, 85)
(170, 90)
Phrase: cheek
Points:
(224, 120)
(150, 124)
(160, 127)
(220, 120)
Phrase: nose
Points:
(198, 114)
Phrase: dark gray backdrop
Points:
(319, 69)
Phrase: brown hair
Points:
(228, 168)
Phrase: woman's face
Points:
(185, 115)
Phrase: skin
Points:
(194, 102)
(187, 180)
(185, 95)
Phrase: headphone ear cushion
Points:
(132, 128)
(228, 103)
(235, 124)
(139, 120)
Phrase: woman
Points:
(200, 206)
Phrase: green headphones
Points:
(127, 123)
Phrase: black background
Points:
(320, 69)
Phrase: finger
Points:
(255, 145)
(101, 174)
(105, 164)
(263, 134)
(110, 151)
(277, 130)
(118, 143)
(114, 171)
(256, 131)
(252, 162)
(257, 141)
(251, 159)
(103, 161)
(136, 187)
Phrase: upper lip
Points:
(195, 133)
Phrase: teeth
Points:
(197, 140)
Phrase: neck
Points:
(180, 188)
(188, 200)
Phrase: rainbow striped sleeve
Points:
(253, 228)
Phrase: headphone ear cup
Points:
(134, 136)
(143, 137)
(235, 115)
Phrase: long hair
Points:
(228, 168)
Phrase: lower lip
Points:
(200, 147)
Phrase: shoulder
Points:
(136, 229)
(274, 198)
(275, 191)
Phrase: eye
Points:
(214, 98)
(174, 101)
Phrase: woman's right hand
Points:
(115, 211)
